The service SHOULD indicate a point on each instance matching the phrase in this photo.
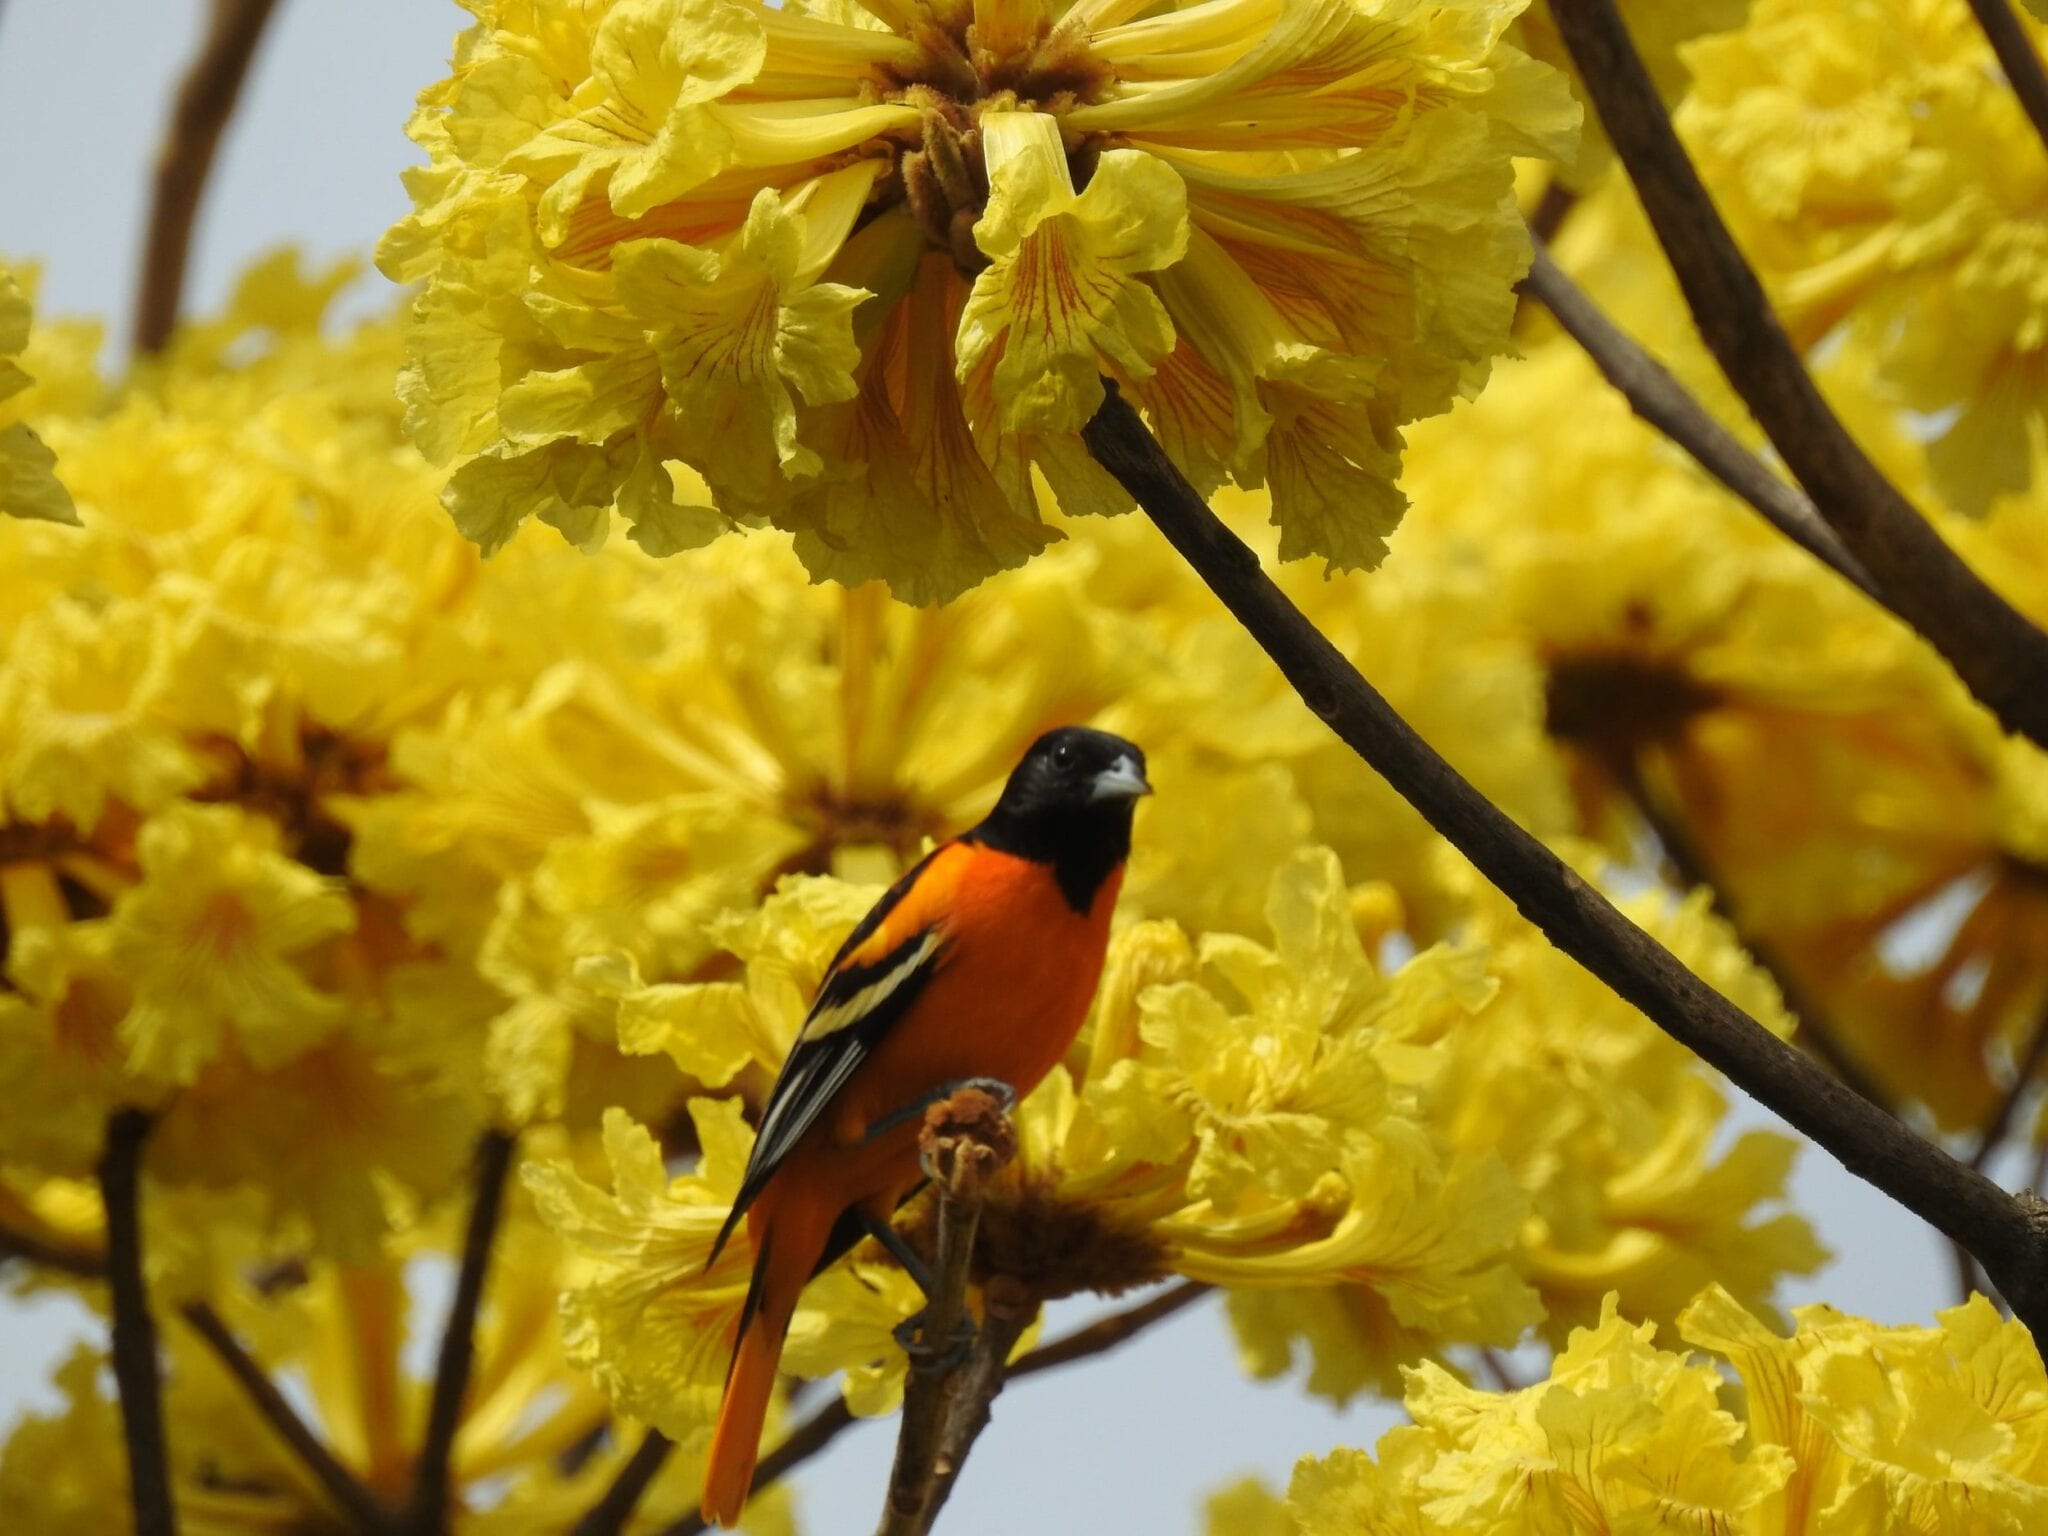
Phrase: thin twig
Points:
(1816, 1032)
(1969, 1279)
(1552, 209)
(1654, 394)
(800, 1445)
(2016, 56)
(2009, 1236)
(136, 1369)
(43, 1254)
(427, 1511)
(1497, 1371)
(2024, 1071)
(825, 1425)
(1107, 1332)
(1008, 1309)
(350, 1495)
(964, 1142)
(206, 100)
(608, 1516)
(1992, 646)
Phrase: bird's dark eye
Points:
(1063, 756)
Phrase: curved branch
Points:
(206, 100)
(1106, 1333)
(2010, 1238)
(2016, 56)
(75, 1264)
(608, 1516)
(137, 1372)
(1993, 647)
(427, 1512)
(349, 1493)
(965, 1141)
(1655, 395)
(1815, 1031)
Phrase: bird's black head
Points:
(1069, 804)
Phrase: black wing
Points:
(855, 1007)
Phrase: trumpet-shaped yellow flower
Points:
(863, 269)
(29, 486)
(1844, 1427)
(212, 940)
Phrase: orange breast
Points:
(1019, 971)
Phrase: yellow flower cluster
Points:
(534, 1438)
(1844, 1427)
(1865, 823)
(334, 846)
(1879, 169)
(862, 268)
(1375, 1164)
(194, 689)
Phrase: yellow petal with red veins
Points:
(1063, 301)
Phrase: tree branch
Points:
(799, 1446)
(43, 1254)
(206, 100)
(2016, 56)
(136, 1368)
(1994, 649)
(350, 1495)
(1659, 399)
(1106, 1333)
(428, 1511)
(1497, 1371)
(1008, 1308)
(965, 1141)
(2010, 1238)
(1815, 1032)
(608, 1516)
(1994, 1132)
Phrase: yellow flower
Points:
(1893, 1428)
(211, 940)
(1846, 1428)
(907, 241)
(653, 1320)
(1611, 1127)
(61, 1061)
(1660, 29)
(530, 1452)
(1874, 159)
(1622, 1437)
(29, 486)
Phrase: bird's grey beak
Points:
(1121, 780)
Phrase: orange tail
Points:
(787, 1255)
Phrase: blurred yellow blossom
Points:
(532, 1449)
(1874, 161)
(862, 269)
(652, 1321)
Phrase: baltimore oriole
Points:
(978, 964)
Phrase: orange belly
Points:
(1021, 969)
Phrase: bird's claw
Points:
(930, 1357)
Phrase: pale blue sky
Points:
(1127, 1444)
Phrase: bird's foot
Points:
(930, 1357)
